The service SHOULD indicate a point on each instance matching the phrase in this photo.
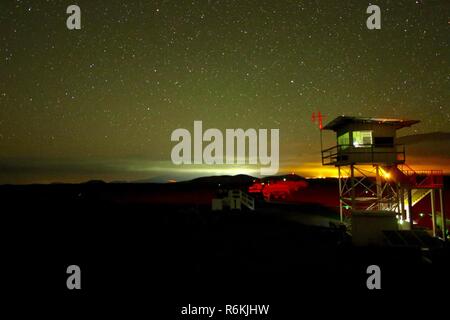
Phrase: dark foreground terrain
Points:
(156, 257)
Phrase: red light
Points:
(318, 119)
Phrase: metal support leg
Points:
(433, 213)
(409, 211)
(379, 195)
(402, 202)
(340, 195)
(353, 193)
(444, 222)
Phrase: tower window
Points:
(344, 140)
(384, 142)
(362, 138)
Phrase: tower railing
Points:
(426, 179)
(343, 153)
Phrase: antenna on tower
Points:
(318, 119)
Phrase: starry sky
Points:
(102, 102)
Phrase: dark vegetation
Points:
(137, 239)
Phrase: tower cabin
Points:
(365, 141)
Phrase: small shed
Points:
(368, 226)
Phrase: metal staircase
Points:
(417, 195)
(421, 183)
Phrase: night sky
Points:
(102, 102)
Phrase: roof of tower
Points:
(342, 121)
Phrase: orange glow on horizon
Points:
(317, 170)
(314, 170)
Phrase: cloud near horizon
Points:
(423, 152)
